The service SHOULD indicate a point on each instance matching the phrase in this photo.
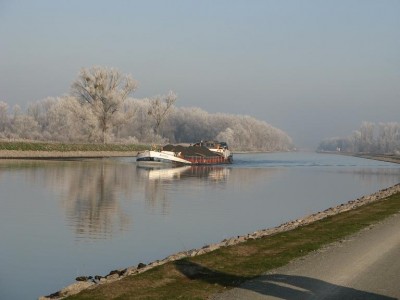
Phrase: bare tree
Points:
(159, 108)
(3, 116)
(104, 91)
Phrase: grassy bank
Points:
(382, 157)
(204, 275)
(67, 147)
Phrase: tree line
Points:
(100, 109)
(382, 138)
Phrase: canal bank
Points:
(18, 154)
(50, 150)
(364, 265)
(199, 273)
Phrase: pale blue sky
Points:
(315, 69)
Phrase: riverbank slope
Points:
(382, 157)
(364, 265)
(198, 274)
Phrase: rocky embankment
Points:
(84, 282)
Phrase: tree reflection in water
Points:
(92, 198)
(99, 197)
(92, 192)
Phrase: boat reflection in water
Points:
(160, 173)
(160, 181)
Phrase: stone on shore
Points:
(70, 290)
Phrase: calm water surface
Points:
(62, 219)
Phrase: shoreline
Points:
(21, 154)
(381, 157)
(392, 158)
(90, 282)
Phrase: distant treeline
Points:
(383, 138)
(65, 119)
(99, 110)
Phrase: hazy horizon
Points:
(315, 69)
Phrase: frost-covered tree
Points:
(66, 119)
(39, 111)
(191, 124)
(3, 117)
(69, 121)
(367, 136)
(370, 138)
(104, 91)
(228, 136)
(389, 137)
(24, 126)
(160, 107)
(241, 132)
(137, 123)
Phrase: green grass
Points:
(67, 147)
(202, 276)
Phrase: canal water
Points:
(63, 219)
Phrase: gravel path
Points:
(363, 266)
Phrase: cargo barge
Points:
(202, 153)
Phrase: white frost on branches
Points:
(104, 91)
(370, 138)
(99, 109)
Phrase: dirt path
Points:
(363, 266)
